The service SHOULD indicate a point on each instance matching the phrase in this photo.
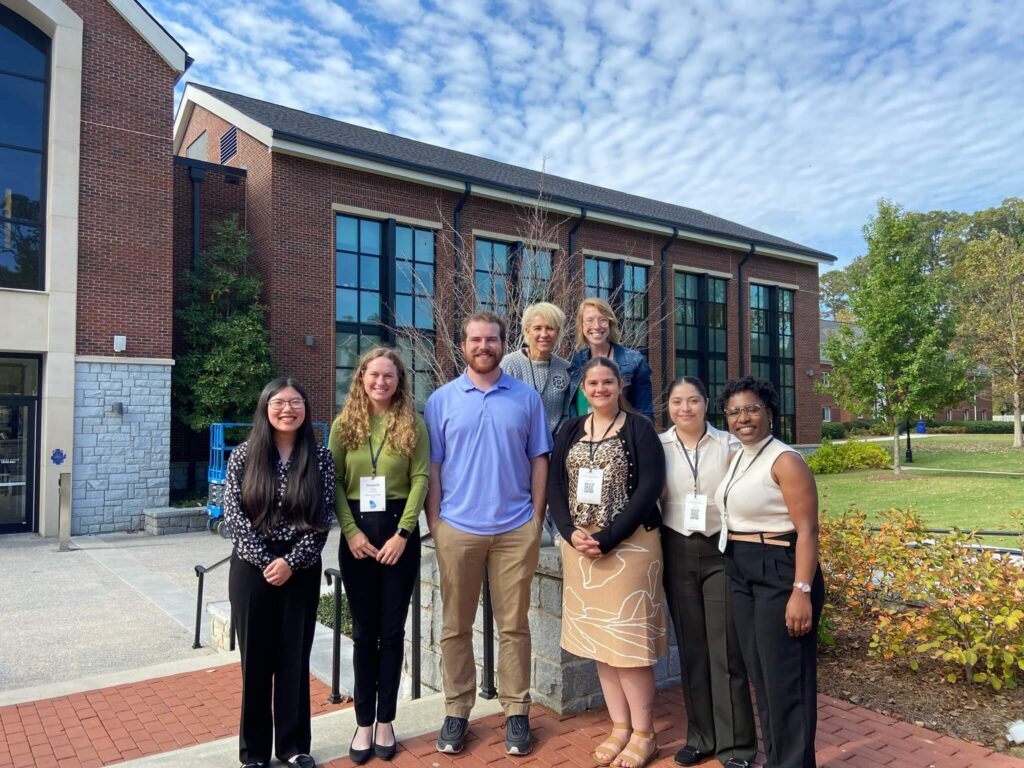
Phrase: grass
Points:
(971, 502)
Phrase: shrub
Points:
(938, 599)
(325, 613)
(833, 431)
(981, 427)
(949, 429)
(832, 459)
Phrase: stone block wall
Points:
(121, 460)
(560, 681)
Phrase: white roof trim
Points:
(168, 48)
(334, 157)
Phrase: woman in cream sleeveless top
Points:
(769, 506)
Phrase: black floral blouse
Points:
(249, 543)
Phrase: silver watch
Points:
(802, 586)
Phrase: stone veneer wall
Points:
(560, 681)
(121, 461)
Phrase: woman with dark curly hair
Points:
(769, 507)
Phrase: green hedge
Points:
(839, 430)
(832, 459)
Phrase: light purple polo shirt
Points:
(484, 442)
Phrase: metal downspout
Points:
(666, 376)
(742, 315)
(457, 276)
(196, 175)
(572, 243)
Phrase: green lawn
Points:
(982, 502)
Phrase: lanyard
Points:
(591, 444)
(375, 456)
(729, 485)
(533, 375)
(696, 455)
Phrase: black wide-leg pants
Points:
(784, 669)
(378, 599)
(716, 692)
(275, 627)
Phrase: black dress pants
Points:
(719, 712)
(378, 599)
(784, 669)
(275, 628)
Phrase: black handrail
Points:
(201, 571)
(487, 689)
(335, 697)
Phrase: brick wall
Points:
(124, 269)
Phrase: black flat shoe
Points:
(690, 756)
(385, 752)
(359, 756)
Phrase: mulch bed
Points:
(973, 712)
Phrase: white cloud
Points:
(791, 119)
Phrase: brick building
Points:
(360, 235)
(86, 104)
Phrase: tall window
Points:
(598, 278)
(700, 319)
(384, 290)
(534, 275)
(772, 349)
(493, 270)
(624, 286)
(24, 67)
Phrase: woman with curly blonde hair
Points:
(382, 465)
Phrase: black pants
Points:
(275, 636)
(719, 712)
(378, 598)
(784, 669)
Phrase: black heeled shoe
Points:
(360, 756)
(385, 752)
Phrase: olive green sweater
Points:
(406, 478)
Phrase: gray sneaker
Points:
(518, 739)
(453, 735)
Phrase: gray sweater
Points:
(549, 377)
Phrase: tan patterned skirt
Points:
(613, 608)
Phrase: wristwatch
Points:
(802, 586)
(405, 535)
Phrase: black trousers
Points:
(378, 598)
(275, 628)
(784, 669)
(719, 712)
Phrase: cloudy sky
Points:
(791, 117)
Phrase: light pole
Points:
(910, 454)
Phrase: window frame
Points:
(617, 292)
(700, 360)
(774, 364)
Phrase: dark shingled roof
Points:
(323, 132)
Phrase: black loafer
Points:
(302, 761)
(385, 751)
(690, 756)
(359, 756)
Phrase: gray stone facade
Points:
(121, 459)
(559, 681)
(161, 521)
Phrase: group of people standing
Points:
(722, 523)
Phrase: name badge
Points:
(588, 486)
(372, 494)
(696, 512)
(723, 537)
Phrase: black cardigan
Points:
(646, 480)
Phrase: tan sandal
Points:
(611, 746)
(635, 759)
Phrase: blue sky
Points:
(791, 117)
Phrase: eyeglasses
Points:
(596, 322)
(297, 403)
(750, 410)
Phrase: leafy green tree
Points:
(227, 358)
(835, 287)
(897, 361)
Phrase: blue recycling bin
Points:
(921, 428)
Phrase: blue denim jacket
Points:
(636, 378)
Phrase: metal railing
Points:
(1002, 550)
(201, 571)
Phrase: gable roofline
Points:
(153, 32)
(320, 150)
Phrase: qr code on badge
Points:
(588, 486)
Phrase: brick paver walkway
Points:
(848, 737)
(123, 722)
(114, 724)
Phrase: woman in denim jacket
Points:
(597, 333)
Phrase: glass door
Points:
(17, 471)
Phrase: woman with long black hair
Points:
(278, 503)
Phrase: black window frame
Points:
(768, 319)
(618, 293)
(38, 39)
(705, 360)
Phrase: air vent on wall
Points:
(228, 144)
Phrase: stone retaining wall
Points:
(160, 521)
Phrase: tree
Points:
(991, 278)
(227, 358)
(897, 361)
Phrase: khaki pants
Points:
(510, 559)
